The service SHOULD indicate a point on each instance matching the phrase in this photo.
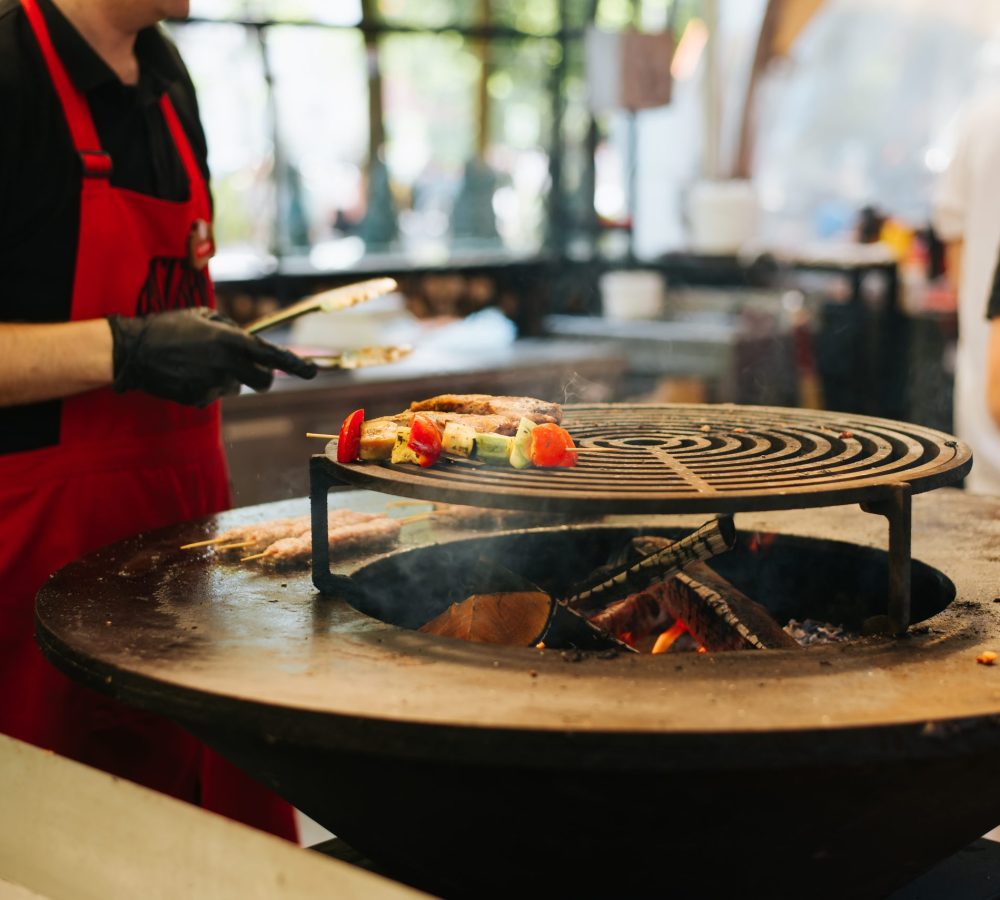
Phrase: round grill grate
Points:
(697, 458)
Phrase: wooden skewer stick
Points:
(325, 437)
(400, 503)
(597, 449)
(214, 540)
(255, 556)
(419, 517)
(235, 546)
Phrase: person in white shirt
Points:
(967, 218)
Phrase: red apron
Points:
(124, 464)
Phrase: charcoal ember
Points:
(639, 615)
(810, 631)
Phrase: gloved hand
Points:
(194, 356)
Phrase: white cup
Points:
(632, 294)
(722, 216)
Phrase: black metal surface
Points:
(697, 458)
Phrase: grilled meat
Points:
(489, 405)
(254, 538)
(371, 532)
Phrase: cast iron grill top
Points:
(696, 458)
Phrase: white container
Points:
(722, 216)
(631, 294)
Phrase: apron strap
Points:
(195, 177)
(95, 161)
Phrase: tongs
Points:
(331, 301)
(326, 301)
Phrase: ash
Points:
(809, 631)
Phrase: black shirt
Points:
(40, 171)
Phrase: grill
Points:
(667, 459)
(474, 770)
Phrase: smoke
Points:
(577, 389)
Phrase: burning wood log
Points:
(520, 619)
(513, 619)
(709, 540)
(717, 613)
(720, 615)
(638, 615)
(507, 608)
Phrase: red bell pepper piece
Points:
(425, 441)
(349, 440)
(549, 445)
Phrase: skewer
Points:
(325, 437)
(597, 449)
(419, 517)
(400, 503)
(236, 546)
(371, 520)
(214, 540)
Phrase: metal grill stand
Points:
(323, 477)
(897, 508)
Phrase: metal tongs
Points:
(331, 301)
(326, 301)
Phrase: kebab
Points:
(259, 535)
(422, 437)
(376, 532)
(241, 534)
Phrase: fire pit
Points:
(472, 770)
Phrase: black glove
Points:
(194, 356)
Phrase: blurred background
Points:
(663, 200)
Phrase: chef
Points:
(967, 217)
(111, 356)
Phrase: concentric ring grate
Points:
(697, 458)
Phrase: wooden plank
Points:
(69, 832)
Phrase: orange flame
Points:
(666, 640)
(760, 541)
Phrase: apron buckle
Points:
(96, 163)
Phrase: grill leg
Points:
(321, 480)
(897, 508)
